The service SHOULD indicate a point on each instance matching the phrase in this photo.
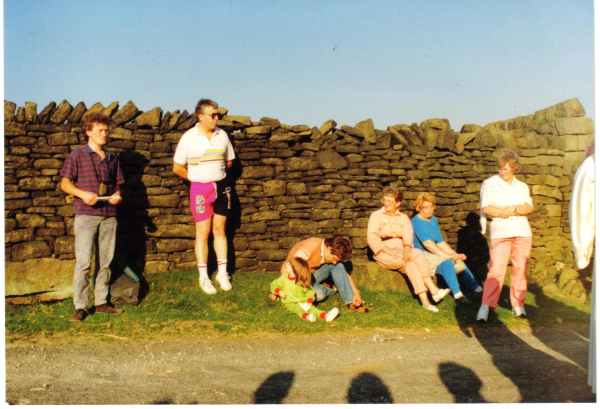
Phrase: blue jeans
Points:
(340, 279)
(447, 270)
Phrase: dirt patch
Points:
(478, 364)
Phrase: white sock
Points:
(222, 266)
(203, 271)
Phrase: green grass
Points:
(176, 307)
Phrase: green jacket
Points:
(294, 293)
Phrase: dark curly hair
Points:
(93, 118)
(340, 247)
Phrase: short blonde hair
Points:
(508, 156)
(422, 198)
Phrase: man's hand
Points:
(89, 198)
(273, 297)
(115, 199)
(357, 299)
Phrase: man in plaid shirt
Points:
(93, 175)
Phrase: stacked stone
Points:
(292, 182)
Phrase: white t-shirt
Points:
(205, 159)
(496, 192)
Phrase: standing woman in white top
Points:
(207, 152)
(506, 201)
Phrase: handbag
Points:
(434, 261)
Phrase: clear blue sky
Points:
(304, 62)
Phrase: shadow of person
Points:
(537, 314)
(461, 382)
(133, 215)
(474, 245)
(275, 388)
(368, 388)
(538, 376)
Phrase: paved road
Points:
(478, 364)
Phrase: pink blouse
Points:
(383, 226)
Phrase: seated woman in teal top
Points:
(428, 238)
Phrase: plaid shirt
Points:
(84, 167)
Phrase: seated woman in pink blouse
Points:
(390, 236)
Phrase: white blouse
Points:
(498, 193)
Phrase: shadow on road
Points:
(368, 388)
(538, 376)
(275, 388)
(461, 382)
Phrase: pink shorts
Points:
(202, 197)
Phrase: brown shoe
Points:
(107, 309)
(361, 308)
(79, 315)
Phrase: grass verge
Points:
(176, 307)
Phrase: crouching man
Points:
(323, 257)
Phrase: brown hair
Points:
(422, 198)
(93, 118)
(340, 247)
(508, 156)
(301, 271)
(205, 103)
(393, 192)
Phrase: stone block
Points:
(37, 183)
(150, 118)
(303, 227)
(9, 111)
(369, 274)
(30, 220)
(326, 214)
(574, 126)
(263, 130)
(14, 129)
(48, 164)
(125, 114)
(174, 245)
(265, 215)
(274, 188)
(43, 279)
(19, 236)
(30, 250)
(63, 138)
(164, 200)
(330, 159)
(62, 112)
(271, 255)
(173, 230)
(300, 163)
(257, 172)
(156, 267)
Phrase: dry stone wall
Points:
(292, 182)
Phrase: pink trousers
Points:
(516, 249)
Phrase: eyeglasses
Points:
(213, 116)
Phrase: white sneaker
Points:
(478, 289)
(441, 294)
(207, 286)
(311, 318)
(519, 311)
(223, 280)
(482, 314)
(459, 295)
(432, 308)
(330, 316)
(305, 306)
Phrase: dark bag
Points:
(126, 287)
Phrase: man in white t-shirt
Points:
(207, 152)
